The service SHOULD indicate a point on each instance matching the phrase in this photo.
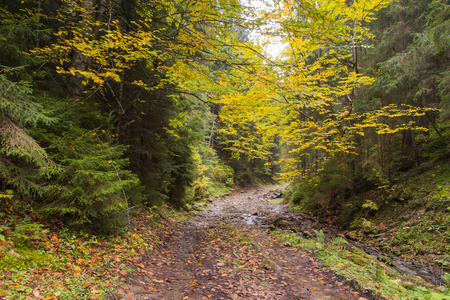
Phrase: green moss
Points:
(357, 256)
(408, 285)
(386, 259)
(366, 271)
(355, 224)
(25, 258)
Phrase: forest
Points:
(115, 109)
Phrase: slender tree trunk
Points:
(211, 143)
(91, 13)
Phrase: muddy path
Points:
(255, 207)
(225, 251)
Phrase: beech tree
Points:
(307, 97)
(122, 79)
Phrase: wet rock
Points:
(283, 223)
(405, 269)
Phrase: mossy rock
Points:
(353, 235)
(359, 257)
(408, 285)
(199, 205)
(358, 251)
(386, 259)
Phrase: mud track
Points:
(225, 251)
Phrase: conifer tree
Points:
(23, 162)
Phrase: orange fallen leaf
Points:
(36, 293)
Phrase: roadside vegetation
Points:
(113, 110)
(392, 193)
(406, 215)
(40, 259)
(365, 272)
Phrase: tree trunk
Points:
(92, 11)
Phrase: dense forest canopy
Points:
(110, 105)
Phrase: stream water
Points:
(257, 207)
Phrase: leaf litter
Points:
(217, 254)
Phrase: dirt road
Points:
(224, 252)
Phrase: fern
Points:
(320, 236)
(370, 204)
(338, 242)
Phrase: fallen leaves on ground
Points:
(64, 264)
(224, 263)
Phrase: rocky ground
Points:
(225, 251)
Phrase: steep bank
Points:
(407, 219)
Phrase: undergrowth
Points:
(364, 271)
(41, 261)
(407, 215)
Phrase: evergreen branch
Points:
(17, 142)
(121, 187)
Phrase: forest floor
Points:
(223, 252)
